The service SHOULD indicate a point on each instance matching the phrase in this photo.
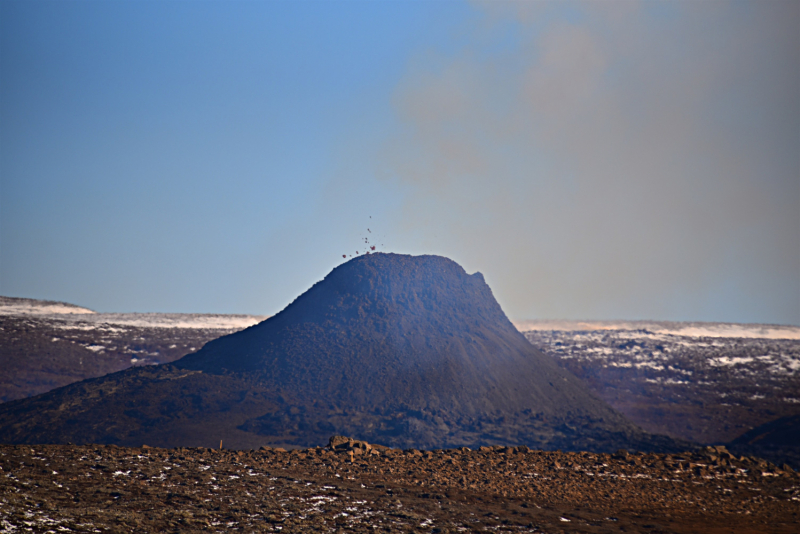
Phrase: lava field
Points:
(42, 351)
(351, 486)
(703, 389)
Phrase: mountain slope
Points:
(401, 350)
(421, 328)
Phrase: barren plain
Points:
(356, 487)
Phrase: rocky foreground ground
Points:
(352, 486)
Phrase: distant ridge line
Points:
(673, 328)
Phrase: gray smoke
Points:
(613, 160)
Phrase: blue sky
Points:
(595, 161)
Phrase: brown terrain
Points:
(708, 387)
(45, 345)
(351, 486)
(711, 383)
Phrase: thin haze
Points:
(609, 160)
(615, 159)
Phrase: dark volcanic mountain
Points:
(400, 350)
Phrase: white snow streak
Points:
(77, 318)
(694, 330)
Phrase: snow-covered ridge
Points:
(15, 306)
(164, 320)
(687, 329)
(75, 317)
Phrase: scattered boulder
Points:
(357, 447)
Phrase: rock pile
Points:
(353, 447)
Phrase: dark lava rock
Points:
(40, 352)
(777, 441)
(58, 488)
(401, 350)
(703, 389)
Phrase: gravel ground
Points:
(361, 488)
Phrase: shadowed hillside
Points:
(777, 441)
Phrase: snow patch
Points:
(78, 318)
(687, 329)
(725, 360)
(195, 321)
(14, 306)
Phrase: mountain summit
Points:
(395, 349)
(389, 329)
